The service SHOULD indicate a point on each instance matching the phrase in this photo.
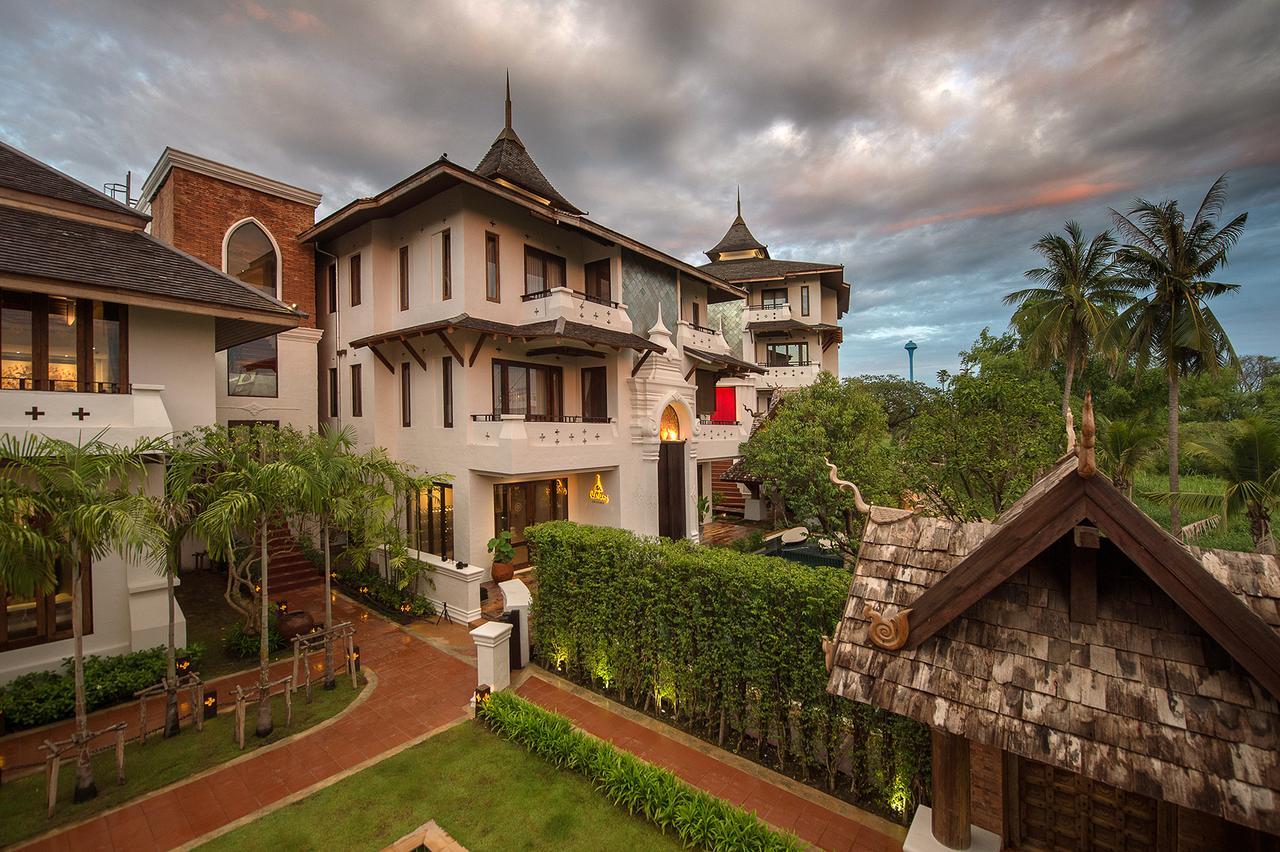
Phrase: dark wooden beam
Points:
(475, 351)
(444, 338)
(382, 358)
(414, 353)
(951, 816)
(1084, 575)
(644, 357)
(692, 370)
(568, 351)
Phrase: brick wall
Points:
(986, 786)
(193, 212)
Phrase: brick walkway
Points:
(419, 689)
(815, 824)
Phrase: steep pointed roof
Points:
(509, 161)
(737, 238)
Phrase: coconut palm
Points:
(1078, 295)
(66, 505)
(1123, 446)
(1172, 324)
(1246, 455)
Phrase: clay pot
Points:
(295, 624)
(503, 571)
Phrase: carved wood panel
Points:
(1060, 810)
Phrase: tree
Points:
(834, 419)
(1123, 446)
(1255, 370)
(1246, 454)
(254, 476)
(992, 429)
(1172, 324)
(901, 400)
(1076, 301)
(65, 506)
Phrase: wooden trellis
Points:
(306, 645)
(190, 681)
(57, 749)
(255, 693)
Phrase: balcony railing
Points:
(64, 385)
(546, 294)
(538, 294)
(540, 418)
(785, 364)
(703, 328)
(766, 306)
(712, 421)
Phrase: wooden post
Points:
(142, 721)
(120, 754)
(351, 657)
(288, 704)
(1084, 575)
(297, 648)
(951, 818)
(240, 718)
(51, 779)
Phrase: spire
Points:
(739, 201)
(508, 124)
(738, 237)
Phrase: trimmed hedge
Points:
(39, 698)
(726, 644)
(700, 819)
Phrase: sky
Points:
(925, 146)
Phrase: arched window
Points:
(253, 367)
(251, 257)
(669, 428)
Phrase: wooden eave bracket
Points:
(888, 633)
(643, 357)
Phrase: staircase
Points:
(289, 568)
(727, 498)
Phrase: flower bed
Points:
(370, 587)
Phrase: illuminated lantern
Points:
(669, 427)
(182, 665)
(211, 704)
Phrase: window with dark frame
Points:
(333, 391)
(794, 354)
(56, 344)
(333, 287)
(517, 505)
(773, 298)
(430, 520)
(446, 267)
(45, 616)
(543, 271)
(355, 280)
(446, 390)
(599, 287)
(804, 301)
(357, 392)
(492, 283)
(595, 395)
(406, 415)
(695, 313)
(253, 368)
(404, 278)
(534, 390)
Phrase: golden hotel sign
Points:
(597, 493)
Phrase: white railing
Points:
(564, 302)
(68, 414)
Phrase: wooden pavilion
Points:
(1091, 682)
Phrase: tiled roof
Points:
(508, 159)
(557, 328)
(737, 238)
(1133, 700)
(753, 269)
(723, 360)
(27, 174)
(131, 261)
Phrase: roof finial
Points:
(508, 125)
(1088, 464)
(739, 201)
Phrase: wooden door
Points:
(671, 508)
(1062, 810)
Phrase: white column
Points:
(516, 598)
(493, 655)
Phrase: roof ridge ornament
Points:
(844, 485)
(1086, 451)
(888, 633)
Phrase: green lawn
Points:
(209, 617)
(158, 763)
(488, 793)
(1235, 536)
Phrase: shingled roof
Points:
(556, 328)
(23, 173)
(1142, 698)
(508, 160)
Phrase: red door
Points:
(726, 405)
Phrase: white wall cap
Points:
(491, 634)
(515, 593)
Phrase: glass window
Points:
(492, 285)
(533, 390)
(252, 258)
(773, 298)
(62, 344)
(17, 369)
(406, 413)
(542, 271)
(355, 279)
(357, 392)
(517, 505)
(446, 390)
(804, 301)
(695, 313)
(45, 616)
(786, 354)
(446, 267)
(431, 520)
(54, 343)
(333, 391)
(595, 399)
(252, 368)
(108, 327)
(404, 278)
(333, 287)
(599, 288)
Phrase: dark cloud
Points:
(923, 145)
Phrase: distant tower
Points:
(911, 360)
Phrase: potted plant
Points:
(503, 556)
(704, 509)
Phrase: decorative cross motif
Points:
(597, 436)
(542, 437)
(486, 436)
(557, 431)
(80, 414)
(557, 440)
(35, 413)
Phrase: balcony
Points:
(563, 302)
(701, 337)
(768, 312)
(794, 375)
(137, 412)
(510, 444)
(716, 439)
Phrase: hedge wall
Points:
(724, 643)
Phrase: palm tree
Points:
(1077, 298)
(1246, 455)
(65, 506)
(1122, 448)
(1173, 324)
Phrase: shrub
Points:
(245, 644)
(39, 698)
(700, 819)
(384, 594)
